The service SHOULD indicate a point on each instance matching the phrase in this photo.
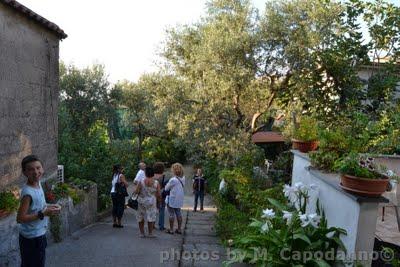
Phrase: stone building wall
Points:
(28, 95)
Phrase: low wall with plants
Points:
(260, 218)
(79, 209)
(78, 202)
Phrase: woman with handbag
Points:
(148, 191)
(118, 194)
(175, 199)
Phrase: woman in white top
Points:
(118, 201)
(175, 199)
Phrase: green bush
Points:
(104, 202)
(230, 221)
(162, 149)
(324, 160)
(307, 129)
(92, 157)
(81, 183)
(8, 201)
(211, 171)
(64, 190)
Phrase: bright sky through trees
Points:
(124, 35)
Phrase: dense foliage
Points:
(8, 201)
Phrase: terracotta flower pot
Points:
(363, 186)
(4, 213)
(303, 146)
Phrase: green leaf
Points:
(256, 223)
(340, 243)
(302, 237)
(277, 204)
(321, 263)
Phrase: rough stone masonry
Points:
(29, 76)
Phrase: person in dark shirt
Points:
(162, 180)
(199, 188)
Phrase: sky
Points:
(124, 35)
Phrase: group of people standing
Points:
(155, 192)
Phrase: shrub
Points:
(307, 129)
(324, 160)
(230, 221)
(64, 190)
(8, 201)
(81, 183)
(162, 149)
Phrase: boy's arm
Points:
(24, 217)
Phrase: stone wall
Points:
(9, 247)
(74, 217)
(28, 95)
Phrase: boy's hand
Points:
(52, 210)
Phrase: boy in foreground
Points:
(32, 215)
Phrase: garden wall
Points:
(357, 215)
(72, 218)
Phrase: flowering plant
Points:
(8, 201)
(285, 234)
(360, 166)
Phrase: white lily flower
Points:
(265, 227)
(268, 214)
(314, 219)
(287, 190)
(291, 193)
(299, 185)
(287, 216)
(304, 220)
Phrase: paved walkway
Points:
(101, 245)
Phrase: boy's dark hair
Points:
(28, 159)
(158, 167)
(149, 172)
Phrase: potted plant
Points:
(305, 135)
(8, 203)
(361, 176)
